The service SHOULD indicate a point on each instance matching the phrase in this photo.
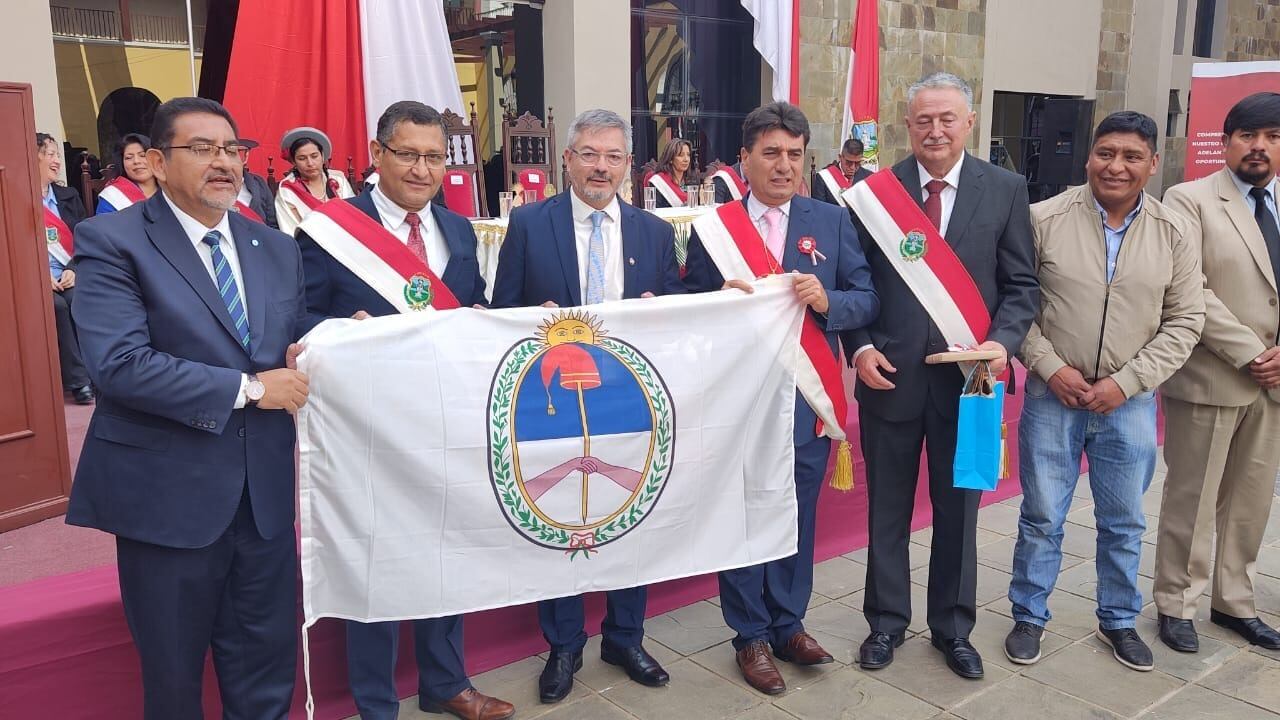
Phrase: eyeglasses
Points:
(409, 158)
(206, 152)
(591, 157)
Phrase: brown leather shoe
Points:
(471, 704)
(758, 668)
(802, 649)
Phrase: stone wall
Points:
(917, 37)
(1253, 30)
(1113, 57)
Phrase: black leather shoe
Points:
(1022, 644)
(83, 395)
(877, 650)
(962, 658)
(557, 677)
(1128, 648)
(639, 664)
(1179, 634)
(1251, 629)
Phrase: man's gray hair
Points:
(941, 80)
(596, 120)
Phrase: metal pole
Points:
(191, 49)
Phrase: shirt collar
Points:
(1242, 185)
(1128, 219)
(195, 229)
(757, 209)
(582, 211)
(952, 178)
(392, 214)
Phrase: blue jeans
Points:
(1121, 448)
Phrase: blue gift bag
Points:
(979, 432)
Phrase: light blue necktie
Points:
(227, 285)
(595, 261)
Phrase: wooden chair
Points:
(90, 188)
(528, 145)
(463, 158)
(272, 181)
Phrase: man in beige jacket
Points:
(1121, 306)
(1222, 409)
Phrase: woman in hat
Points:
(135, 182)
(310, 182)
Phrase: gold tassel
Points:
(842, 476)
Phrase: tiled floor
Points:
(1076, 679)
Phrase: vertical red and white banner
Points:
(1215, 87)
(862, 91)
(777, 39)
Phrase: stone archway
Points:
(125, 110)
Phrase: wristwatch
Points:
(253, 391)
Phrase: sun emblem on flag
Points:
(418, 292)
(581, 435)
(913, 246)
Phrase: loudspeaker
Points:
(1065, 127)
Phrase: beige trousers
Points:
(1222, 473)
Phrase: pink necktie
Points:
(773, 240)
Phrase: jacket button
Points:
(1272, 302)
(240, 432)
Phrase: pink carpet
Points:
(67, 652)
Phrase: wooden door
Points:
(35, 472)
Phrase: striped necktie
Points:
(227, 285)
(595, 261)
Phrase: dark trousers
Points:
(74, 374)
(769, 601)
(562, 620)
(372, 649)
(238, 595)
(892, 453)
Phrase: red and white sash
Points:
(373, 254)
(121, 193)
(922, 257)
(248, 212)
(738, 250)
(836, 183)
(296, 193)
(57, 237)
(666, 186)
(737, 188)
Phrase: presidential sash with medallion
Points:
(922, 257)
(836, 183)
(736, 247)
(373, 254)
(58, 239)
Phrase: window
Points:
(695, 75)
(1202, 39)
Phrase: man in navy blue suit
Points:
(765, 604)
(578, 248)
(187, 317)
(409, 154)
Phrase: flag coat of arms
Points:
(464, 460)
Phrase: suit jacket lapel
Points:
(968, 197)
(909, 175)
(560, 210)
(453, 241)
(251, 270)
(798, 225)
(166, 233)
(631, 249)
(1238, 210)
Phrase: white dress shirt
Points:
(196, 231)
(611, 231)
(952, 179)
(393, 219)
(757, 209)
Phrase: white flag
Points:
(777, 39)
(463, 460)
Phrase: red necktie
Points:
(933, 203)
(416, 244)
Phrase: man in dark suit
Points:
(766, 604)
(256, 193)
(723, 195)
(409, 153)
(65, 203)
(187, 318)
(982, 212)
(579, 248)
(849, 164)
